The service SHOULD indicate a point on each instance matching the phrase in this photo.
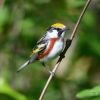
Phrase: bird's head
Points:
(57, 30)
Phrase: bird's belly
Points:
(55, 51)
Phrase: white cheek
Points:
(52, 34)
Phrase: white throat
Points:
(52, 34)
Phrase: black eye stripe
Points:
(58, 29)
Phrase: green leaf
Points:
(6, 89)
(89, 93)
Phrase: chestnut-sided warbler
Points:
(49, 46)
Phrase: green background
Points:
(22, 23)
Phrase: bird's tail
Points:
(32, 59)
(23, 66)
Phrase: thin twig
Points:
(79, 19)
(68, 43)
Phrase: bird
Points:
(49, 46)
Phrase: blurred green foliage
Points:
(7, 90)
(95, 93)
(22, 23)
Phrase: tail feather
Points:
(23, 66)
(32, 59)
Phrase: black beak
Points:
(66, 28)
(63, 30)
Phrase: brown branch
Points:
(79, 19)
(68, 43)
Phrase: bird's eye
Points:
(58, 29)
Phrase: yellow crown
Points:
(58, 25)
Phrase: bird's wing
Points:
(40, 46)
(42, 39)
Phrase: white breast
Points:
(58, 46)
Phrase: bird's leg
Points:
(46, 67)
